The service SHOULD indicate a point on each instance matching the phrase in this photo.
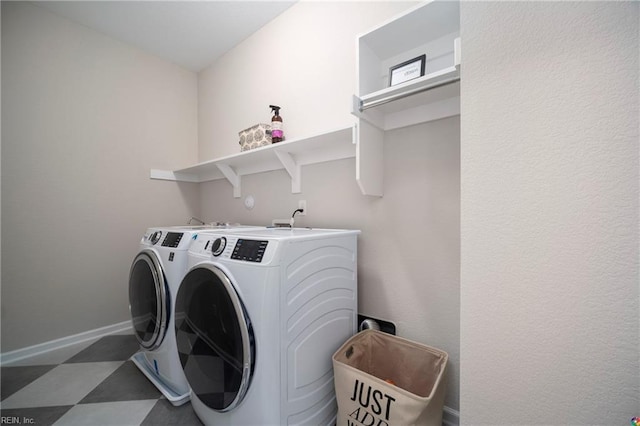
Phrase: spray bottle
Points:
(277, 134)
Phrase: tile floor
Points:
(90, 384)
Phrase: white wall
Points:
(303, 61)
(409, 247)
(549, 224)
(84, 119)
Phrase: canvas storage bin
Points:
(255, 136)
(362, 367)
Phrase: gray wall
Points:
(84, 118)
(549, 224)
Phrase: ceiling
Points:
(192, 34)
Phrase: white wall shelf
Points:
(431, 97)
(289, 155)
(432, 29)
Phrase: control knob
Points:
(218, 246)
(155, 237)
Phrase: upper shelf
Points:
(432, 29)
(289, 155)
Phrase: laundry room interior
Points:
(501, 226)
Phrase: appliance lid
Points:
(285, 233)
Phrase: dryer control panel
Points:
(249, 250)
(172, 239)
(229, 247)
(167, 239)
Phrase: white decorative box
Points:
(255, 136)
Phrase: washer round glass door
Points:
(214, 338)
(148, 300)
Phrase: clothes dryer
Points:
(257, 318)
(154, 278)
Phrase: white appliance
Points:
(154, 278)
(258, 317)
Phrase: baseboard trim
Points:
(52, 345)
(450, 417)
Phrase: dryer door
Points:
(214, 338)
(148, 299)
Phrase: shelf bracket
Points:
(232, 177)
(292, 168)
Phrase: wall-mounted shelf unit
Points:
(289, 155)
(432, 29)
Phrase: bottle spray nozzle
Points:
(275, 109)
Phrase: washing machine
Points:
(257, 318)
(155, 274)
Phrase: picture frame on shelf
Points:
(409, 70)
